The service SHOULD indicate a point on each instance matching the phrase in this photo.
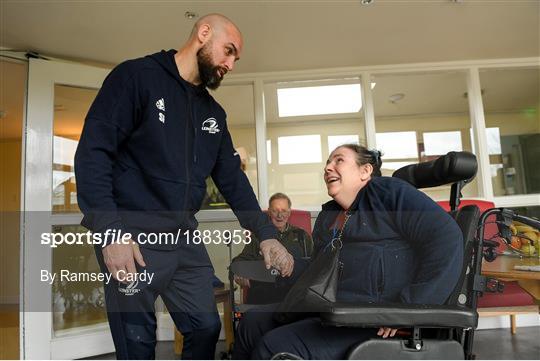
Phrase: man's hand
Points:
(120, 257)
(276, 255)
(244, 282)
(387, 332)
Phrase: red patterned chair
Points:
(301, 219)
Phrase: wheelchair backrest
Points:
(454, 167)
(467, 218)
(450, 168)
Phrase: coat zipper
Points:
(189, 128)
(193, 129)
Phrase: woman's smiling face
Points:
(343, 176)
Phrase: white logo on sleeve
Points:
(162, 117)
(210, 125)
(160, 104)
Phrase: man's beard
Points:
(208, 72)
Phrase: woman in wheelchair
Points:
(398, 246)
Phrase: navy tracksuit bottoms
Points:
(183, 279)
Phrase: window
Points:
(299, 149)
(299, 146)
(420, 116)
(70, 107)
(511, 100)
(327, 99)
(493, 141)
(397, 145)
(398, 150)
(64, 150)
(335, 141)
(63, 158)
(440, 143)
(269, 151)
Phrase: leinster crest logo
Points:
(210, 125)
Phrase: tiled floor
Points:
(498, 344)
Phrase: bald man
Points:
(151, 138)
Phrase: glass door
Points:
(63, 317)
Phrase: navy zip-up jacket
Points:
(149, 142)
(398, 245)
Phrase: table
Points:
(503, 268)
(222, 296)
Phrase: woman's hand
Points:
(386, 332)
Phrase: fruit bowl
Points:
(525, 240)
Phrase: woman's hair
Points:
(365, 156)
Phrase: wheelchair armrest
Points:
(397, 315)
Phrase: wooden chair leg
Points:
(513, 324)
(228, 324)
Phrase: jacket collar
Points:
(334, 206)
(166, 60)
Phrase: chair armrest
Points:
(397, 315)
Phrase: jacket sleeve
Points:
(438, 244)
(234, 185)
(107, 125)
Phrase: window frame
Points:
(264, 98)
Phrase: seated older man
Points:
(297, 241)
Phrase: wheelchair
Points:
(432, 331)
(436, 331)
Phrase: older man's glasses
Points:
(277, 213)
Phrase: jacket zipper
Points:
(189, 128)
(193, 127)
(340, 270)
(195, 140)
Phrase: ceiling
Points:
(281, 35)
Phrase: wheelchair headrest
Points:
(450, 168)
